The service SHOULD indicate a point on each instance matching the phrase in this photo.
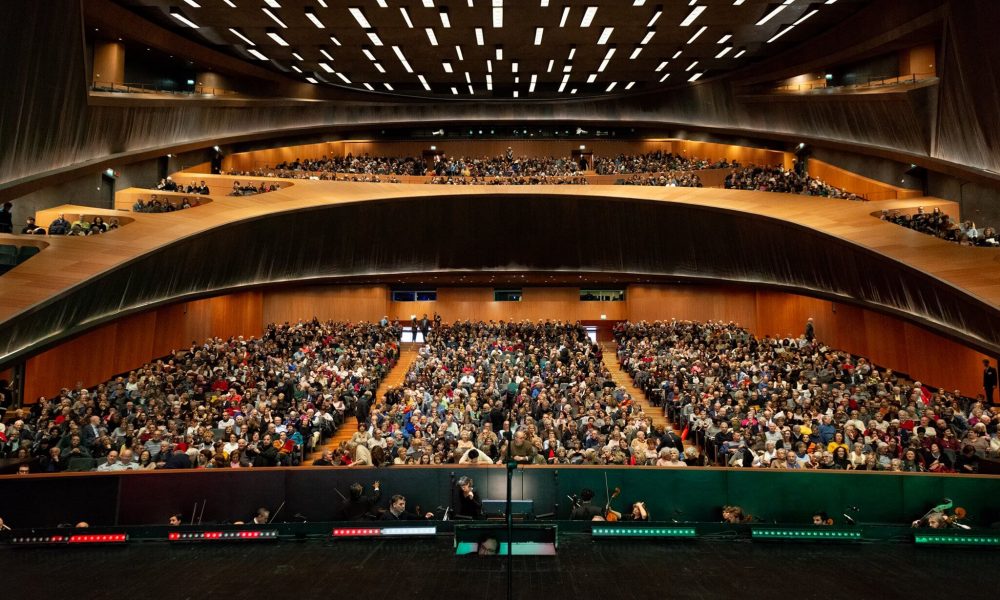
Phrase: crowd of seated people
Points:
(166, 204)
(794, 403)
(254, 402)
(477, 387)
(655, 162)
(352, 165)
(673, 179)
(195, 187)
(516, 180)
(940, 225)
(81, 227)
(249, 189)
(788, 181)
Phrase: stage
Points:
(429, 569)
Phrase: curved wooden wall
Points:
(129, 342)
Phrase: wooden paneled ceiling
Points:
(499, 49)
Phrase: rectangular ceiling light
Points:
(489, 66)
(694, 77)
(806, 16)
(630, 85)
(447, 66)
(724, 52)
(738, 2)
(381, 3)
(311, 15)
(781, 33)
(638, 2)
(335, 40)
(605, 34)
(725, 38)
(531, 86)
(311, 80)
(275, 18)
(695, 36)
(277, 38)
(635, 53)
(388, 87)
(369, 87)
(379, 68)
(428, 3)
(565, 15)
(402, 59)
(592, 78)
(497, 13)
(513, 67)
(489, 82)
(468, 78)
(406, 16)
(237, 33)
(611, 86)
(562, 86)
(297, 56)
(545, 3)
(567, 67)
(552, 64)
(368, 54)
(588, 16)
(454, 90)
(257, 54)
(272, 3)
(458, 52)
(656, 16)
(180, 17)
(296, 69)
(193, 3)
(430, 36)
(539, 31)
(325, 53)
(662, 66)
(343, 78)
(445, 21)
(676, 54)
(773, 13)
(649, 35)
(572, 53)
(691, 66)
(229, 3)
(326, 67)
(740, 53)
(373, 36)
(359, 16)
(479, 36)
(664, 78)
(694, 14)
(423, 82)
(499, 53)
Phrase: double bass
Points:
(611, 515)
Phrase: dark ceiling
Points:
(508, 64)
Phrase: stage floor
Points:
(429, 569)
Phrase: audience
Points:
(82, 226)
(778, 179)
(795, 403)
(166, 204)
(671, 179)
(938, 224)
(220, 404)
(655, 162)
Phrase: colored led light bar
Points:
(805, 534)
(643, 532)
(227, 536)
(961, 539)
(345, 532)
(99, 538)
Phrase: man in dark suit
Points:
(465, 500)
(397, 511)
(359, 505)
(989, 380)
(585, 511)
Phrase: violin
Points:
(611, 515)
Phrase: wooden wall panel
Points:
(246, 161)
(476, 303)
(339, 303)
(692, 303)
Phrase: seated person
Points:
(585, 511)
(734, 515)
(397, 511)
(465, 500)
(639, 513)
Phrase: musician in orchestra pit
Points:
(465, 501)
(585, 511)
(639, 513)
(359, 505)
(262, 516)
(397, 511)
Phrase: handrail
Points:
(148, 88)
(821, 84)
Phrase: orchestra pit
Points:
(500, 298)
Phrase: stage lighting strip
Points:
(342, 532)
(957, 540)
(226, 536)
(110, 538)
(806, 534)
(600, 531)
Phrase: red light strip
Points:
(112, 538)
(357, 532)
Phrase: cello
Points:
(611, 515)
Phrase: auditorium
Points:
(505, 298)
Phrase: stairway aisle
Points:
(407, 354)
(623, 379)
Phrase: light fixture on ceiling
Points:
(237, 33)
(431, 36)
(592, 78)
(373, 36)
(402, 59)
(539, 31)
(406, 16)
(806, 16)
(565, 15)
(691, 66)
(311, 80)
(568, 67)
(368, 54)
(740, 53)
(343, 78)
(447, 66)
(694, 14)
(630, 85)
(379, 67)
(273, 34)
(325, 67)
(297, 56)
(257, 54)
(605, 34)
(497, 13)
(368, 87)
(588, 16)
(180, 17)
(499, 52)
(562, 86)
(513, 67)
(311, 15)
(611, 86)
(531, 85)
(657, 12)
(572, 53)
(489, 66)
(552, 64)
(458, 52)
(664, 78)
(193, 3)
(695, 77)
(676, 54)
(489, 82)
(780, 33)
(635, 53)
(359, 16)
(388, 86)
(725, 38)
(724, 52)
(649, 35)
(698, 33)
(423, 82)
(662, 66)
(335, 40)
(445, 20)
(480, 40)
(325, 53)
(230, 3)
(773, 12)
(274, 18)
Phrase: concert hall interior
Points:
(562, 284)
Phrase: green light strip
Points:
(806, 534)
(966, 540)
(643, 532)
